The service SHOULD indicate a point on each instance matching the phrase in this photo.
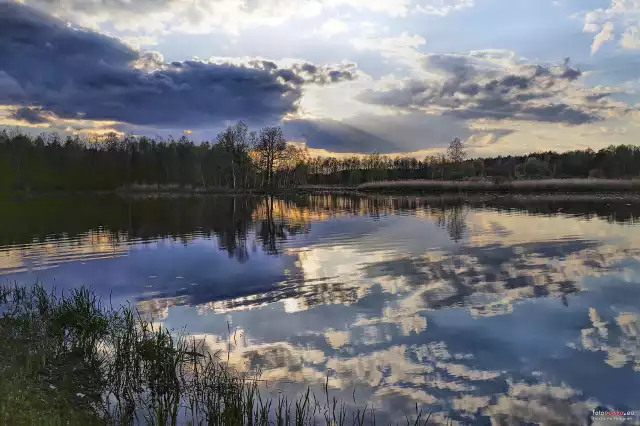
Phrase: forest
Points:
(239, 159)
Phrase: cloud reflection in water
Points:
(501, 311)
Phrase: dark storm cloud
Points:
(552, 113)
(75, 73)
(560, 113)
(471, 89)
(32, 115)
(324, 75)
(337, 136)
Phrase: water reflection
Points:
(491, 310)
(621, 343)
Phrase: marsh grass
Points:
(516, 186)
(70, 360)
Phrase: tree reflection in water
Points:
(482, 310)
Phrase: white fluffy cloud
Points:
(605, 35)
(401, 49)
(205, 16)
(631, 38)
(334, 27)
(617, 22)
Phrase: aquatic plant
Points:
(521, 186)
(72, 360)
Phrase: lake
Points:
(485, 311)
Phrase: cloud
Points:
(32, 115)
(391, 47)
(413, 133)
(621, 15)
(33, 121)
(9, 86)
(631, 38)
(498, 110)
(480, 85)
(334, 27)
(402, 49)
(603, 36)
(76, 73)
(337, 136)
(205, 16)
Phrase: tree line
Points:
(239, 159)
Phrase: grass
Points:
(518, 186)
(72, 361)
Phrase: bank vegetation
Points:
(240, 160)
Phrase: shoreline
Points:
(606, 198)
(549, 190)
(577, 185)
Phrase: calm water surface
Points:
(495, 311)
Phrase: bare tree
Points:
(456, 151)
(234, 140)
(271, 146)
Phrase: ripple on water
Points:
(503, 311)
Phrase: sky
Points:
(340, 76)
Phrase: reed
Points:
(516, 186)
(72, 360)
